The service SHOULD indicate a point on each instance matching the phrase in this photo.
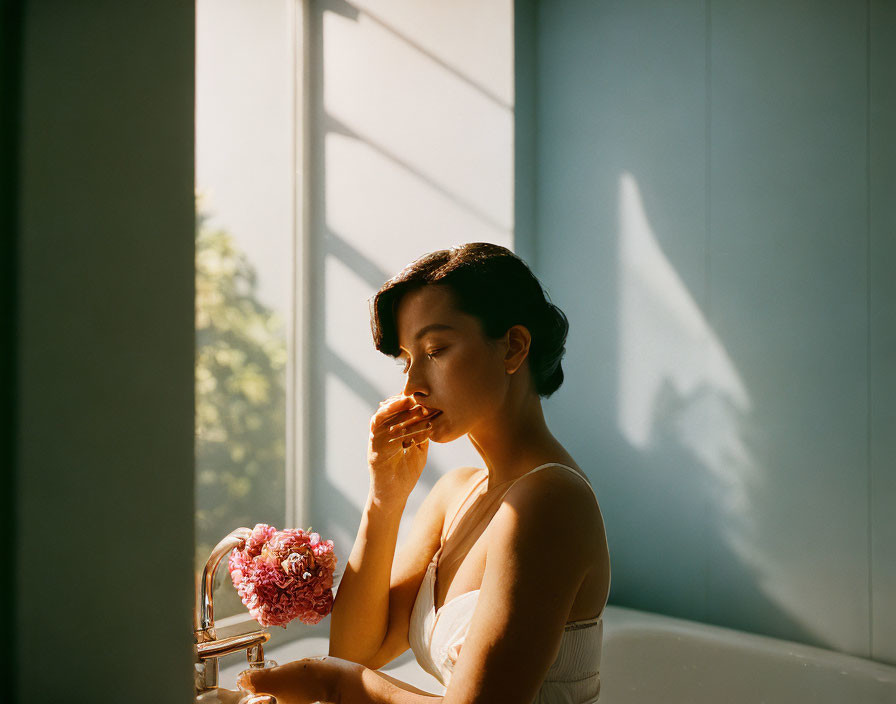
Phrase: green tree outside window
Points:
(241, 357)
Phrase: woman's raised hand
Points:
(396, 452)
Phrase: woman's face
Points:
(450, 365)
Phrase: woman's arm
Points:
(408, 569)
(361, 685)
(360, 616)
(534, 567)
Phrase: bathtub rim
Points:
(623, 619)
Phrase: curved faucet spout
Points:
(205, 610)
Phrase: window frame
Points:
(298, 319)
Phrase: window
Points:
(247, 62)
(412, 136)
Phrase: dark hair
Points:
(491, 283)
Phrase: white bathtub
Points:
(649, 659)
(652, 659)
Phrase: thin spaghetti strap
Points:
(580, 475)
(459, 508)
(551, 464)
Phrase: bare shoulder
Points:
(551, 480)
(556, 497)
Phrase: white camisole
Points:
(436, 637)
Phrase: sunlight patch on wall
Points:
(480, 50)
(676, 379)
(674, 373)
(664, 338)
(391, 215)
(419, 112)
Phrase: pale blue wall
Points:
(714, 212)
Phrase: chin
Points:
(445, 438)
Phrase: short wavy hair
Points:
(491, 283)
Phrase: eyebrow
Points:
(431, 328)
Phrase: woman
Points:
(501, 585)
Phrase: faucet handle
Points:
(250, 642)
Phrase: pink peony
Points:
(285, 574)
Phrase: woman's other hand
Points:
(300, 682)
(396, 463)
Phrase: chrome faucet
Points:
(208, 647)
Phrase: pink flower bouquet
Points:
(284, 574)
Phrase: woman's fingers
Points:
(398, 415)
(398, 425)
(391, 399)
(413, 421)
(419, 442)
(391, 410)
(412, 417)
(409, 433)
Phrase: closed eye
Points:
(406, 363)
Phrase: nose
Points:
(415, 384)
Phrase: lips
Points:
(432, 412)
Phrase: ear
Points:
(517, 339)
